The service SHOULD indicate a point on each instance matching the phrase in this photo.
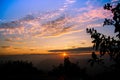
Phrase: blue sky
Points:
(36, 26)
(12, 9)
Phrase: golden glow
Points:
(64, 54)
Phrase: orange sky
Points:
(36, 28)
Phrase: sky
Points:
(38, 26)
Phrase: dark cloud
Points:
(17, 48)
(56, 20)
(27, 18)
(17, 23)
(5, 47)
(9, 40)
(74, 50)
(9, 47)
(10, 25)
(83, 43)
(32, 49)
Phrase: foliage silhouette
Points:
(107, 44)
(16, 70)
(69, 71)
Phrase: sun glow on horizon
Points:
(64, 54)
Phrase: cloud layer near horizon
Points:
(74, 50)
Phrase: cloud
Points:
(71, 1)
(6, 47)
(9, 40)
(55, 23)
(74, 50)
(9, 47)
(13, 39)
(52, 14)
(34, 26)
(59, 26)
(16, 48)
(67, 4)
(28, 18)
(56, 27)
(64, 32)
(32, 49)
(10, 25)
(115, 0)
(62, 25)
(83, 43)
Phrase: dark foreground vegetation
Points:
(105, 45)
(108, 45)
(19, 70)
(23, 70)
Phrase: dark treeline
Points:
(20, 70)
(17, 70)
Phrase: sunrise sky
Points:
(37, 26)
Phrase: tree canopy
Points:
(107, 44)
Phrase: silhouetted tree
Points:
(69, 71)
(106, 44)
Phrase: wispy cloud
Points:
(9, 48)
(13, 39)
(55, 23)
(115, 0)
(67, 4)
